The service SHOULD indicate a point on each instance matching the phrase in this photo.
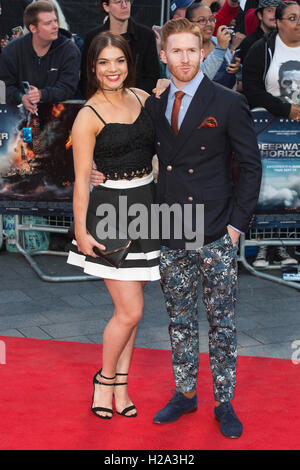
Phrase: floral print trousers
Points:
(182, 271)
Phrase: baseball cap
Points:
(267, 3)
(179, 4)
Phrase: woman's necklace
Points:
(117, 89)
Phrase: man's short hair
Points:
(179, 25)
(32, 11)
(289, 66)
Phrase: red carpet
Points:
(46, 390)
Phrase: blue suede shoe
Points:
(177, 406)
(230, 425)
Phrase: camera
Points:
(231, 30)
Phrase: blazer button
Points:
(203, 147)
(158, 143)
(191, 171)
(190, 198)
(169, 168)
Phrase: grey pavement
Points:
(268, 314)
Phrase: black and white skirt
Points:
(142, 260)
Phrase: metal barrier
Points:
(270, 237)
(55, 225)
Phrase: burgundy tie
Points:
(175, 111)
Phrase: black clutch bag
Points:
(116, 249)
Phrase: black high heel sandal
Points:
(129, 408)
(100, 408)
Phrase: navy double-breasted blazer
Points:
(195, 166)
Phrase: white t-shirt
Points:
(283, 76)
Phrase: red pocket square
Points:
(208, 122)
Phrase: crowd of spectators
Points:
(251, 46)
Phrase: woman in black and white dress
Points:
(114, 131)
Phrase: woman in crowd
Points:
(115, 132)
(215, 47)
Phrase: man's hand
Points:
(32, 108)
(34, 95)
(295, 112)
(234, 234)
(96, 176)
(223, 37)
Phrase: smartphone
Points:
(235, 56)
(26, 87)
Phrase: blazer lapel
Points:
(194, 114)
(163, 121)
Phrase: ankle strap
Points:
(107, 378)
(117, 373)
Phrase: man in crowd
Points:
(266, 17)
(48, 61)
(141, 40)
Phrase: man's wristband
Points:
(20, 97)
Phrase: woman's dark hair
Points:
(100, 5)
(280, 9)
(190, 9)
(99, 43)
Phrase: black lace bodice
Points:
(125, 151)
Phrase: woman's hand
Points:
(96, 176)
(155, 166)
(161, 85)
(234, 67)
(158, 41)
(223, 37)
(86, 243)
(236, 40)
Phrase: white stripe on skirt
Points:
(107, 272)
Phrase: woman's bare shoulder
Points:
(143, 95)
(86, 120)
